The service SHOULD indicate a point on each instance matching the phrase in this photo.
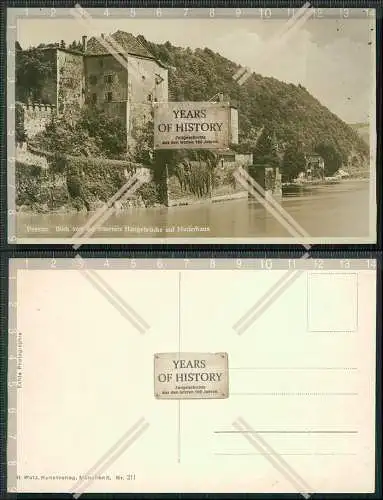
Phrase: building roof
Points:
(128, 43)
(51, 48)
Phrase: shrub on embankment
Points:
(38, 189)
(76, 183)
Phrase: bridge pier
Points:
(270, 179)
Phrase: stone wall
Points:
(121, 110)
(147, 78)
(140, 114)
(71, 83)
(36, 117)
(103, 75)
(106, 78)
(133, 115)
(234, 128)
(117, 110)
(72, 183)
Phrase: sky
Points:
(332, 57)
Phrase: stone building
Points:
(314, 166)
(123, 78)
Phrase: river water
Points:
(339, 210)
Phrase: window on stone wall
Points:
(108, 96)
(94, 98)
(108, 78)
(150, 97)
(93, 79)
(101, 63)
(158, 79)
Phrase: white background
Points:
(88, 377)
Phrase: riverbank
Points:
(126, 208)
(71, 209)
(134, 205)
(338, 211)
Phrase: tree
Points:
(143, 151)
(331, 155)
(94, 134)
(293, 163)
(109, 132)
(62, 137)
(76, 45)
(265, 152)
(33, 69)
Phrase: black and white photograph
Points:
(191, 125)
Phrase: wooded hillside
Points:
(289, 110)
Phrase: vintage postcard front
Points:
(188, 125)
(227, 376)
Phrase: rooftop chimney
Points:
(220, 97)
(84, 37)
